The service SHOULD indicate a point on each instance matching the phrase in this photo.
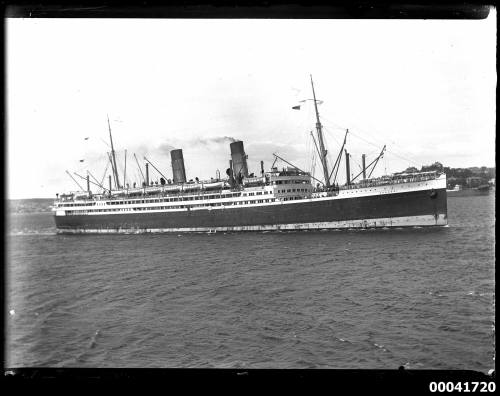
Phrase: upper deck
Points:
(209, 189)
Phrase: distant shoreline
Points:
(31, 199)
(29, 205)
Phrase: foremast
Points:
(113, 159)
(322, 150)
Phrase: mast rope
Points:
(392, 151)
(312, 153)
(105, 170)
(330, 158)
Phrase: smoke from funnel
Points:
(165, 148)
(217, 139)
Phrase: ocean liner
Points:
(278, 199)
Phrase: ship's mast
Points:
(322, 149)
(115, 170)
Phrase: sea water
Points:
(421, 298)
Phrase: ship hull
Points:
(414, 208)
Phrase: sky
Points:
(424, 88)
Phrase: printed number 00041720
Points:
(462, 387)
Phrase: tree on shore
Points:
(436, 166)
(462, 176)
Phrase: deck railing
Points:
(397, 179)
(151, 195)
(384, 181)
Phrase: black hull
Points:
(420, 207)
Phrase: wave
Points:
(93, 340)
(380, 346)
(32, 232)
(485, 294)
(80, 358)
(271, 337)
(409, 365)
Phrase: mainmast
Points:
(322, 149)
(115, 170)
